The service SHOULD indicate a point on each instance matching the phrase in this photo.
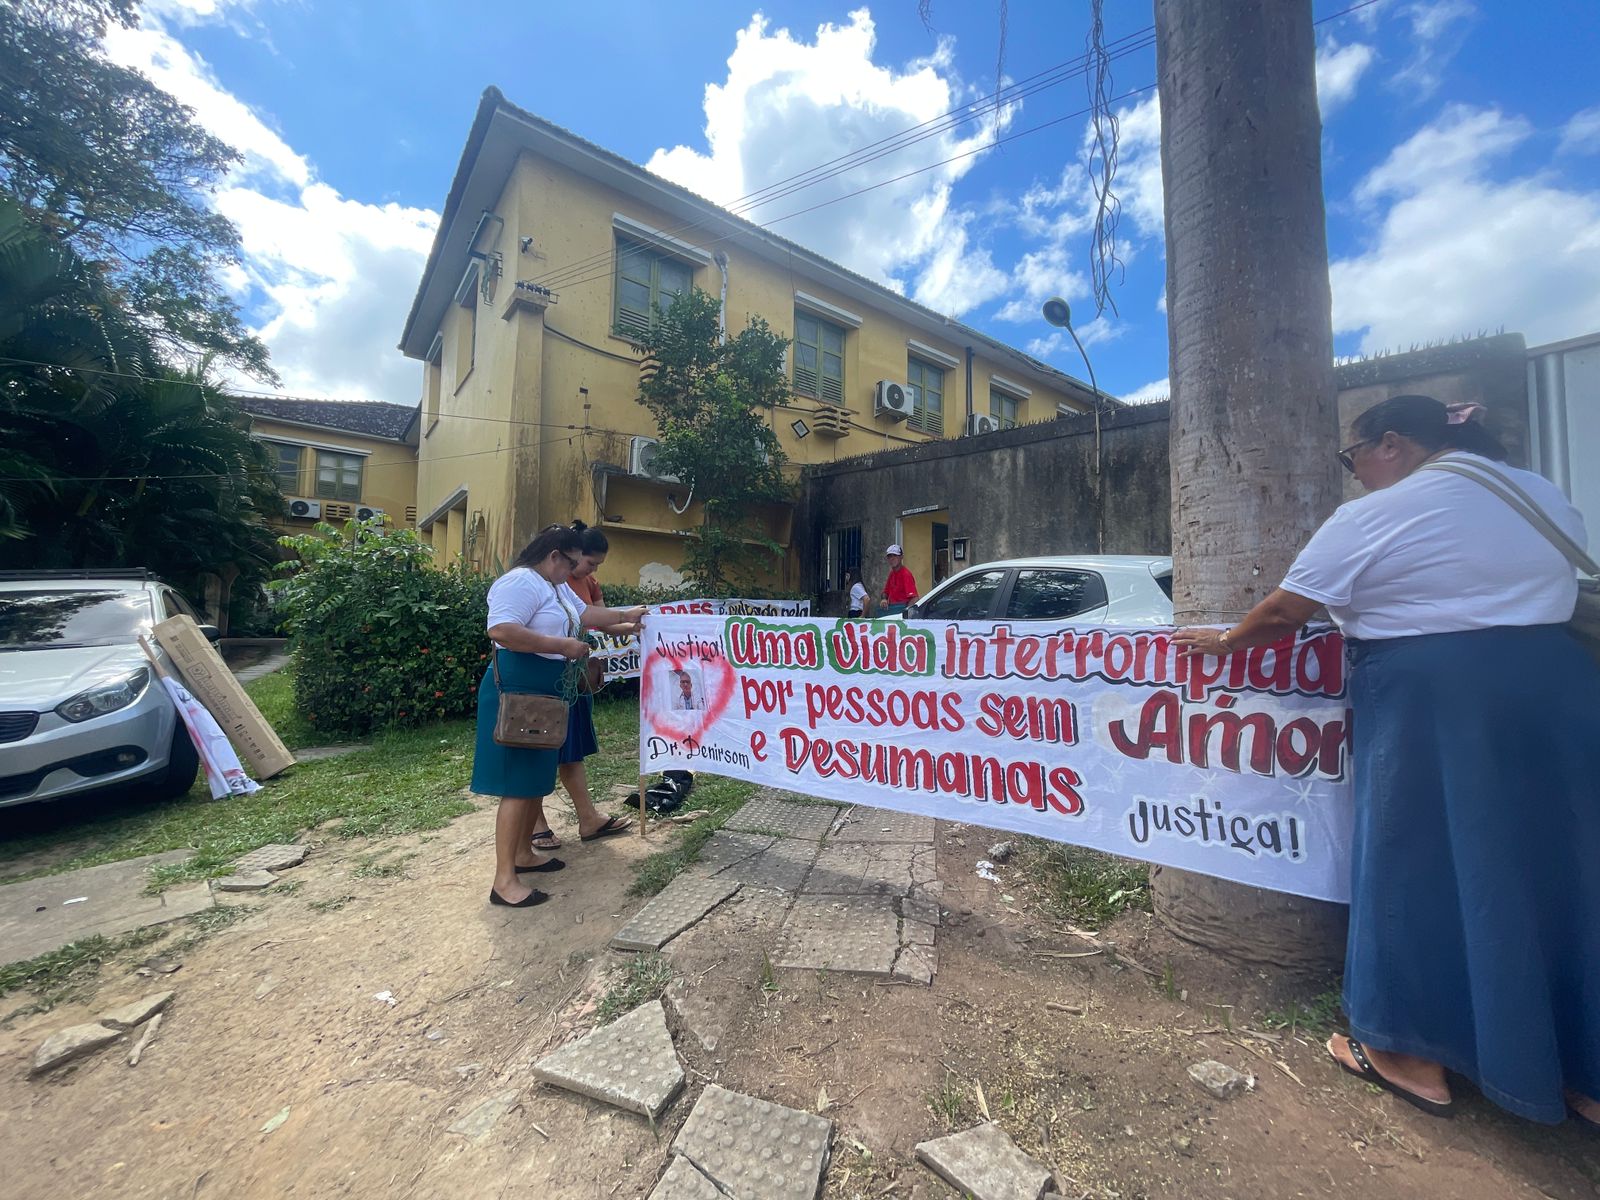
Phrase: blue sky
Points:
(1461, 155)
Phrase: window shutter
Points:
(832, 390)
(805, 379)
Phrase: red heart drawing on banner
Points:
(660, 684)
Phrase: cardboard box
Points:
(213, 684)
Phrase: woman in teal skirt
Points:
(1475, 862)
(535, 624)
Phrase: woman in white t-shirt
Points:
(1474, 941)
(536, 623)
(859, 603)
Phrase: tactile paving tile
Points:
(985, 1162)
(630, 1063)
(683, 1182)
(722, 850)
(781, 867)
(276, 857)
(753, 1149)
(768, 814)
(915, 963)
(863, 824)
(919, 908)
(863, 869)
(840, 933)
(676, 907)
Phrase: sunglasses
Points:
(1345, 456)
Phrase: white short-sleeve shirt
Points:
(858, 597)
(1437, 553)
(524, 597)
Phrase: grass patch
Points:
(375, 866)
(946, 1103)
(1084, 886)
(274, 696)
(331, 904)
(1319, 1015)
(410, 780)
(644, 979)
(721, 798)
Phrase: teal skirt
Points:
(514, 770)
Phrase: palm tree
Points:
(1254, 417)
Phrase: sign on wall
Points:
(1235, 767)
(621, 654)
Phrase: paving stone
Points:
(722, 850)
(253, 881)
(64, 1045)
(915, 963)
(864, 869)
(768, 814)
(700, 1017)
(676, 907)
(782, 867)
(753, 1149)
(277, 857)
(136, 1013)
(475, 1125)
(920, 908)
(840, 933)
(916, 933)
(863, 824)
(630, 1063)
(985, 1163)
(1221, 1080)
(683, 1182)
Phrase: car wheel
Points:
(183, 764)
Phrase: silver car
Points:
(80, 706)
(1084, 589)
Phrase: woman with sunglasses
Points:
(1474, 945)
(535, 626)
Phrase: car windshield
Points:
(40, 620)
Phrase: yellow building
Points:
(339, 459)
(551, 251)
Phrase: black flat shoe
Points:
(550, 864)
(1577, 1116)
(532, 898)
(1369, 1073)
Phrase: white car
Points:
(1083, 589)
(80, 706)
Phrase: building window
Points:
(338, 476)
(927, 396)
(647, 284)
(1005, 408)
(466, 327)
(286, 466)
(818, 359)
(841, 552)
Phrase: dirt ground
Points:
(1080, 1058)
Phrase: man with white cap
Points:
(900, 588)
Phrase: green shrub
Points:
(381, 638)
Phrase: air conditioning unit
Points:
(309, 510)
(981, 423)
(892, 400)
(364, 513)
(642, 453)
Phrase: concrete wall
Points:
(388, 473)
(1025, 491)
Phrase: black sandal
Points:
(1369, 1073)
(528, 901)
(550, 864)
(545, 839)
(613, 825)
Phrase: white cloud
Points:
(1339, 71)
(1156, 389)
(325, 279)
(1439, 30)
(1458, 250)
(788, 105)
(1581, 134)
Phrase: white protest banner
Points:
(1235, 767)
(225, 775)
(621, 654)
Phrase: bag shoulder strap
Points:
(1513, 494)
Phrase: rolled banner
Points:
(225, 776)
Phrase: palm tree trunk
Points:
(1254, 414)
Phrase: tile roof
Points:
(375, 418)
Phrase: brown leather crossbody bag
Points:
(528, 720)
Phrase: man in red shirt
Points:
(900, 589)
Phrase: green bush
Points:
(381, 638)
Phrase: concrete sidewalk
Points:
(44, 914)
